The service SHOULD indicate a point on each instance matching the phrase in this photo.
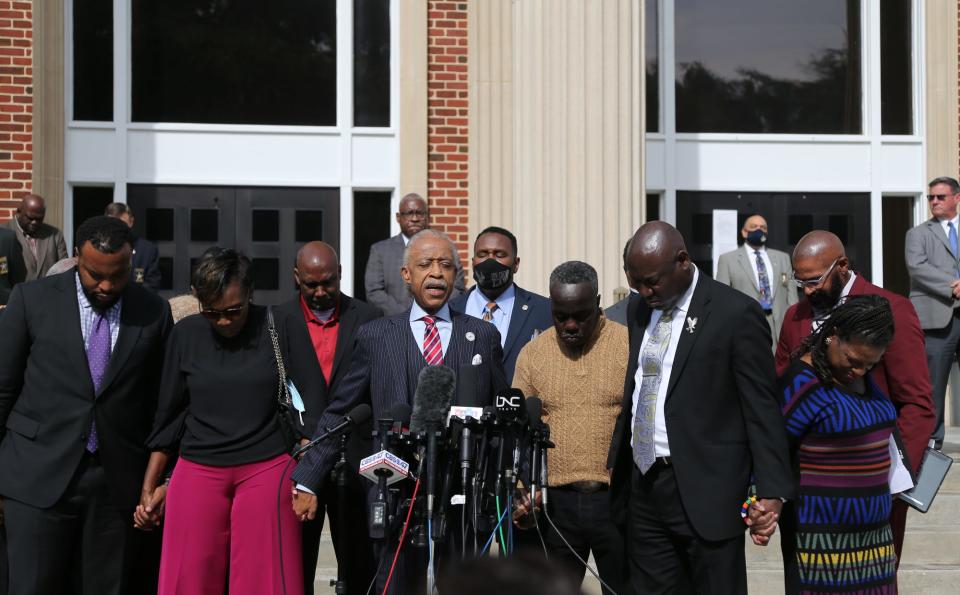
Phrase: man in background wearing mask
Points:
(760, 272)
(822, 270)
(518, 314)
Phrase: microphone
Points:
(431, 401)
(357, 415)
(401, 418)
(534, 413)
(384, 468)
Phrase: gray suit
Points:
(50, 249)
(734, 269)
(385, 287)
(933, 269)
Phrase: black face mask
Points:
(757, 237)
(492, 274)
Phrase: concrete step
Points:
(911, 580)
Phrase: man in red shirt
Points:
(822, 269)
(317, 329)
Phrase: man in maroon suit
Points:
(822, 270)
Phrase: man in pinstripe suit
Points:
(388, 357)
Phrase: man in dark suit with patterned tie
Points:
(82, 354)
(318, 329)
(518, 314)
(388, 357)
(700, 421)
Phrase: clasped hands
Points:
(762, 519)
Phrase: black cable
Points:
(536, 525)
(377, 572)
(574, 552)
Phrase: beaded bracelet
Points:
(745, 508)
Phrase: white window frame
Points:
(863, 163)
(111, 153)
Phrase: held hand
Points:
(955, 287)
(762, 519)
(149, 512)
(304, 505)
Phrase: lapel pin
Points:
(524, 307)
(477, 360)
(691, 324)
(470, 336)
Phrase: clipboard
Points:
(932, 473)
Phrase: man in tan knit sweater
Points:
(577, 369)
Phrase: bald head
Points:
(820, 245)
(317, 274)
(30, 213)
(820, 263)
(658, 264)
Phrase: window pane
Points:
(652, 58)
(90, 201)
(235, 61)
(371, 62)
(159, 225)
(93, 60)
(308, 226)
(768, 66)
(165, 264)
(896, 72)
(204, 225)
(653, 206)
(373, 217)
(266, 274)
(266, 225)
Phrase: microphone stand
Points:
(339, 476)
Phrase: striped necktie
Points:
(432, 347)
(488, 311)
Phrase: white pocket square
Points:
(477, 360)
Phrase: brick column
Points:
(16, 103)
(447, 117)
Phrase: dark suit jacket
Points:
(304, 369)
(146, 264)
(12, 270)
(385, 369)
(531, 313)
(722, 412)
(383, 283)
(901, 374)
(618, 312)
(50, 249)
(46, 393)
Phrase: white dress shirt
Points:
(477, 303)
(661, 444)
(752, 259)
(443, 321)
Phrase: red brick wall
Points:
(447, 114)
(16, 103)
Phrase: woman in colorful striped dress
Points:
(836, 537)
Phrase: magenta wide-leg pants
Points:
(222, 520)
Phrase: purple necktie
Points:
(98, 356)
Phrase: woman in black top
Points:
(218, 410)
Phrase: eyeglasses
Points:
(811, 283)
(412, 214)
(933, 197)
(229, 313)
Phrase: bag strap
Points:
(283, 393)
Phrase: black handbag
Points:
(286, 415)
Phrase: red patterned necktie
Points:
(432, 348)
